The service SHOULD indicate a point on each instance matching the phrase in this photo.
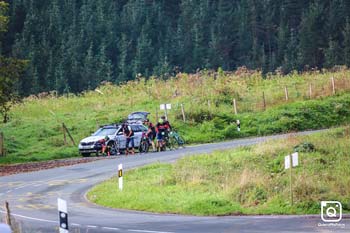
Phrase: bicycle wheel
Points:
(144, 147)
(173, 143)
(180, 141)
(168, 143)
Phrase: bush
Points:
(304, 147)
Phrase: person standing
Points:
(129, 134)
(162, 130)
(151, 133)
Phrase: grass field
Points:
(248, 180)
(35, 130)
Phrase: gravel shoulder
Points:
(11, 169)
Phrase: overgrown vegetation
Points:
(35, 130)
(248, 180)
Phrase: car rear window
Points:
(136, 116)
(105, 131)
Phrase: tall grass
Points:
(249, 180)
(35, 133)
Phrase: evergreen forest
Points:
(74, 45)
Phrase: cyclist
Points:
(151, 133)
(166, 122)
(161, 128)
(103, 142)
(129, 134)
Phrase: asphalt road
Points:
(33, 201)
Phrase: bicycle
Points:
(144, 144)
(177, 140)
(164, 143)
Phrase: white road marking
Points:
(75, 224)
(30, 218)
(146, 231)
(111, 228)
(90, 226)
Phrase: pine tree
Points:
(123, 68)
(333, 54)
(291, 55)
(346, 44)
(244, 35)
(143, 59)
(89, 76)
(311, 36)
(104, 66)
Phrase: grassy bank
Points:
(35, 130)
(248, 180)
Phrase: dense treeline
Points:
(73, 45)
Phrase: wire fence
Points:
(254, 98)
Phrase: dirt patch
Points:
(6, 170)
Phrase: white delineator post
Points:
(238, 125)
(291, 161)
(62, 215)
(120, 175)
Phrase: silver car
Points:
(117, 141)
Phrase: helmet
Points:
(163, 117)
(146, 121)
(106, 138)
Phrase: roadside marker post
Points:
(120, 175)
(291, 161)
(165, 107)
(63, 215)
(238, 125)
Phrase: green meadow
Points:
(35, 133)
(247, 180)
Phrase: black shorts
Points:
(151, 136)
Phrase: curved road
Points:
(33, 201)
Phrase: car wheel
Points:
(112, 148)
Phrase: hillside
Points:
(35, 130)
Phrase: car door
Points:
(121, 139)
(137, 134)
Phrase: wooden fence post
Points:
(183, 113)
(264, 101)
(2, 146)
(286, 93)
(64, 135)
(333, 85)
(235, 106)
(70, 136)
(310, 91)
(8, 214)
